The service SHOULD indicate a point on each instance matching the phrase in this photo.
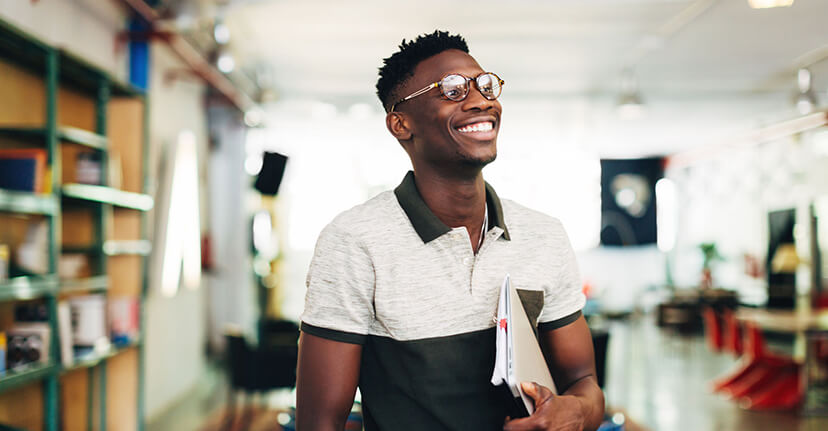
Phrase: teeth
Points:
(484, 126)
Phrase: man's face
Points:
(448, 133)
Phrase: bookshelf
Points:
(56, 102)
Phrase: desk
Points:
(786, 321)
(810, 327)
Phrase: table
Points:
(810, 327)
(801, 321)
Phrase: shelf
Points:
(86, 76)
(94, 360)
(27, 133)
(90, 284)
(23, 288)
(83, 137)
(21, 48)
(26, 202)
(108, 195)
(139, 247)
(13, 379)
(84, 249)
(65, 133)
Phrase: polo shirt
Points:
(389, 275)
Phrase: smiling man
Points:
(403, 289)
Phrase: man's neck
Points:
(457, 200)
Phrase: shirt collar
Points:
(427, 225)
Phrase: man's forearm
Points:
(591, 398)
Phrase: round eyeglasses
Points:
(456, 87)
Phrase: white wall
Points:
(176, 326)
(86, 28)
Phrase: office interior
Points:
(167, 165)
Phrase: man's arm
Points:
(571, 360)
(326, 382)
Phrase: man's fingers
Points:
(538, 393)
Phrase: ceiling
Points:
(704, 67)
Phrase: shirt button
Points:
(467, 261)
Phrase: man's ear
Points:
(397, 124)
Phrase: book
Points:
(88, 316)
(123, 319)
(64, 314)
(23, 169)
(518, 354)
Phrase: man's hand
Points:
(559, 413)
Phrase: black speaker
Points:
(628, 201)
(270, 177)
(781, 285)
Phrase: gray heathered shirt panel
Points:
(372, 274)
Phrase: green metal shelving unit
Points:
(60, 67)
(25, 288)
(28, 203)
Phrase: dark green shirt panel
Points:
(431, 384)
(333, 334)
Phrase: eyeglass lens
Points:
(456, 87)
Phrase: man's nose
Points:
(476, 100)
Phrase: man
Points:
(403, 289)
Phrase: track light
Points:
(221, 33)
(225, 62)
(630, 105)
(805, 100)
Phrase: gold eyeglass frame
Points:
(439, 84)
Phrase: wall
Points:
(86, 28)
(176, 326)
(232, 300)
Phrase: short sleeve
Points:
(564, 297)
(340, 283)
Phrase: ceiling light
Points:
(221, 33)
(225, 62)
(805, 100)
(253, 117)
(767, 4)
(630, 105)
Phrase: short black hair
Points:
(399, 67)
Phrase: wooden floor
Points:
(657, 380)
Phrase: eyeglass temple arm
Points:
(420, 91)
(416, 93)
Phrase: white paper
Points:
(501, 369)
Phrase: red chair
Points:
(713, 330)
(765, 380)
(784, 392)
(732, 331)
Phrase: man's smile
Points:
(482, 128)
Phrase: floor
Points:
(659, 380)
(194, 410)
